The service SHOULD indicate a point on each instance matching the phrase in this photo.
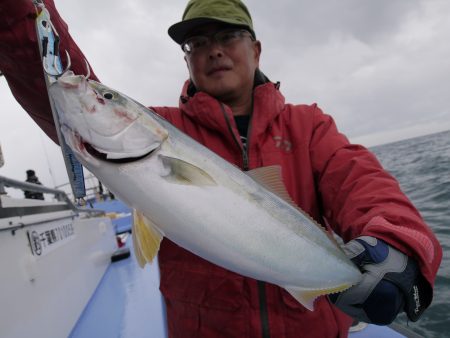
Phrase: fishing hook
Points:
(69, 63)
(88, 70)
(56, 75)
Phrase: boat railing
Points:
(59, 195)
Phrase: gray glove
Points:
(391, 283)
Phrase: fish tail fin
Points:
(146, 238)
(306, 297)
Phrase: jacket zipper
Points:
(247, 146)
(264, 315)
(244, 152)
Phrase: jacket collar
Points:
(208, 112)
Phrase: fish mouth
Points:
(116, 149)
(104, 156)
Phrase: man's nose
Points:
(215, 49)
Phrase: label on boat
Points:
(46, 237)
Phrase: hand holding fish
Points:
(391, 283)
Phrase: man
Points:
(32, 178)
(229, 105)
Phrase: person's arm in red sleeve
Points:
(361, 199)
(20, 61)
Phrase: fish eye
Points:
(108, 96)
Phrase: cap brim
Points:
(179, 31)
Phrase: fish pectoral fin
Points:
(146, 238)
(182, 172)
(306, 297)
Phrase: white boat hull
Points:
(47, 281)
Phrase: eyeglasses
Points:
(224, 38)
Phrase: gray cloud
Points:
(373, 65)
(313, 22)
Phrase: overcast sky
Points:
(380, 68)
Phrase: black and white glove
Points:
(391, 283)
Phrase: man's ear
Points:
(257, 49)
(187, 65)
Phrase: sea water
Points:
(422, 167)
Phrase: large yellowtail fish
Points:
(242, 221)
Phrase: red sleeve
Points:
(165, 112)
(360, 198)
(20, 61)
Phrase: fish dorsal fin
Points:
(182, 172)
(146, 238)
(307, 297)
(270, 178)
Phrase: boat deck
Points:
(126, 303)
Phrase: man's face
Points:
(225, 71)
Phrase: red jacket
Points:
(339, 184)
